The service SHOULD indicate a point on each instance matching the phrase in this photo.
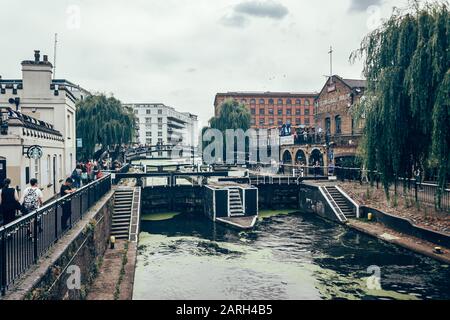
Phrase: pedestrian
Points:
(9, 202)
(418, 176)
(76, 176)
(66, 188)
(84, 176)
(32, 200)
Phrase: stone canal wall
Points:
(80, 251)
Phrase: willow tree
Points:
(406, 102)
(232, 115)
(103, 121)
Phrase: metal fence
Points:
(25, 240)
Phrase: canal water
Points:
(287, 256)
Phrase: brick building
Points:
(270, 109)
(334, 103)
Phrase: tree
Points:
(103, 121)
(406, 63)
(232, 115)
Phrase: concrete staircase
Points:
(123, 200)
(341, 202)
(236, 208)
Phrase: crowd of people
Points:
(13, 206)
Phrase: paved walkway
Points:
(406, 241)
(115, 279)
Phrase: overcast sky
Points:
(182, 52)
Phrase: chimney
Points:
(37, 55)
(37, 76)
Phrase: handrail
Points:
(349, 199)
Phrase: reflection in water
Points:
(285, 257)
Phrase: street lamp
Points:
(15, 101)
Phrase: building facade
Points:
(163, 125)
(52, 102)
(273, 109)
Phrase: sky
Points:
(182, 52)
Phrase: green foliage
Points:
(233, 115)
(406, 105)
(103, 121)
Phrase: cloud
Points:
(362, 5)
(239, 16)
(234, 20)
(268, 9)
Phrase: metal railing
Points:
(25, 240)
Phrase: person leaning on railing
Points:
(66, 189)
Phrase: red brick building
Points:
(270, 109)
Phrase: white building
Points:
(50, 103)
(161, 124)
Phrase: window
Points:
(288, 102)
(159, 134)
(306, 112)
(271, 111)
(271, 121)
(37, 164)
(280, 121)
(60, 167)
(298, 121)
(148, 120)
(253, 122)
(253, 101)
(49, 170)
(148, 141)
(280, 112)
(271, 101)
(261, 111)
(298, 102)
(262, 101)
(337, 120)
(306, 121)
(148, 111)
(69, 127)
(159, 120)
(252, 111)
(261, 121)
(280, 102)
(288, 121)
(297, 112)
(159, 126)
(160, 140)
(307, 102)
(288, 112)
(159, 111)
(148, 134)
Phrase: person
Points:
(84, 176)
(9, 202)
(76, 176)
(31, 200)
(66, 189)
(316, 169)
(418, 176)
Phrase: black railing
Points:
(323, 139)
(25, 240)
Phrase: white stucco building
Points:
(158, 123)
(42, 104)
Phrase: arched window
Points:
(298, 102)
(280, 102)
(306, 102)
(270, 101)
(288, 102)
(253, 101)
(262, 101)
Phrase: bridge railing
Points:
(25, 240)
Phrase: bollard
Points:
(112, 241)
